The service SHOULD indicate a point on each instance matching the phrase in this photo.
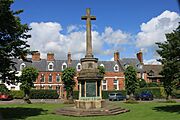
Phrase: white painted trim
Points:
(46, 84)
(115, 77)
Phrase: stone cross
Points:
(88, 19)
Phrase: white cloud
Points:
(155, 29)
(48, 37)
(152, 62)
(72, 28)
(115, 37)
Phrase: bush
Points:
(142, 83)
(131, 101)
(17, 94)
(43, 94)
(75, 94)
(176, 94)
(158, 92)
(3, 89)
(152, 84)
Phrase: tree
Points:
(142, 83)
(170, 58)
(131, 82)
(69, 82)
(28, 76)
(101, 70)
(12, 40)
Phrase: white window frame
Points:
(51, 78)
(104, 84)
(49, 66)
(23, 65)
(59, 78)
(63, 65)
(117, 68)
(102, 65)
(77, 67)
(117, 84)
(41, 78)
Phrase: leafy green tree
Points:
(28, 76)
(142, 83)
(131, 82)
(101, 70)
(12, 39)
(170, 58)
(69, 82)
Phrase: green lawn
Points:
(141, 111)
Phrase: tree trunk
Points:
(26, 97)
(168, 97)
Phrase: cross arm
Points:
(93, 18)
(84, 18)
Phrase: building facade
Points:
(50, 71)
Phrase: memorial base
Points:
(89, 104)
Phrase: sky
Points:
(127, 26)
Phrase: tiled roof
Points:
(156, 69)
(42, 65)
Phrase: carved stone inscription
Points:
(90, 89)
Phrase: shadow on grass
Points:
(20, 112)
(169, 108)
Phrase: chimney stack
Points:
(69, 58)
(50, 56)
(116, 56)
(36, 56)
(140, 56)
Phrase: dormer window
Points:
(116, 68)
(50, 66)
(151, 73)
(22, 66)
(126, 66)
(78, 67)
(64, 66)
(102, 65)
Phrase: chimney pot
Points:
(140, 57)
(116, 56)
(50, 56)
(36, 56)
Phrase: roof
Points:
(42, 65)
(155, 69)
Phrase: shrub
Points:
(17, 94)
(44, 94)
(75, 94)
(167, 101)
(3, 89)
(142, 83)
(152, 84)
(131, 101)
(158, 92)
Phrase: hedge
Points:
(36, 94)
(43, 94)
(17, 94)
(3, 89)
(104, 94)
(158, 92)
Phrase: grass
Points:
(141, 111)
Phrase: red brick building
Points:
(50, 71)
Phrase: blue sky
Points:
(119, 25)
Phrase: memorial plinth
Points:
(90, 91)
